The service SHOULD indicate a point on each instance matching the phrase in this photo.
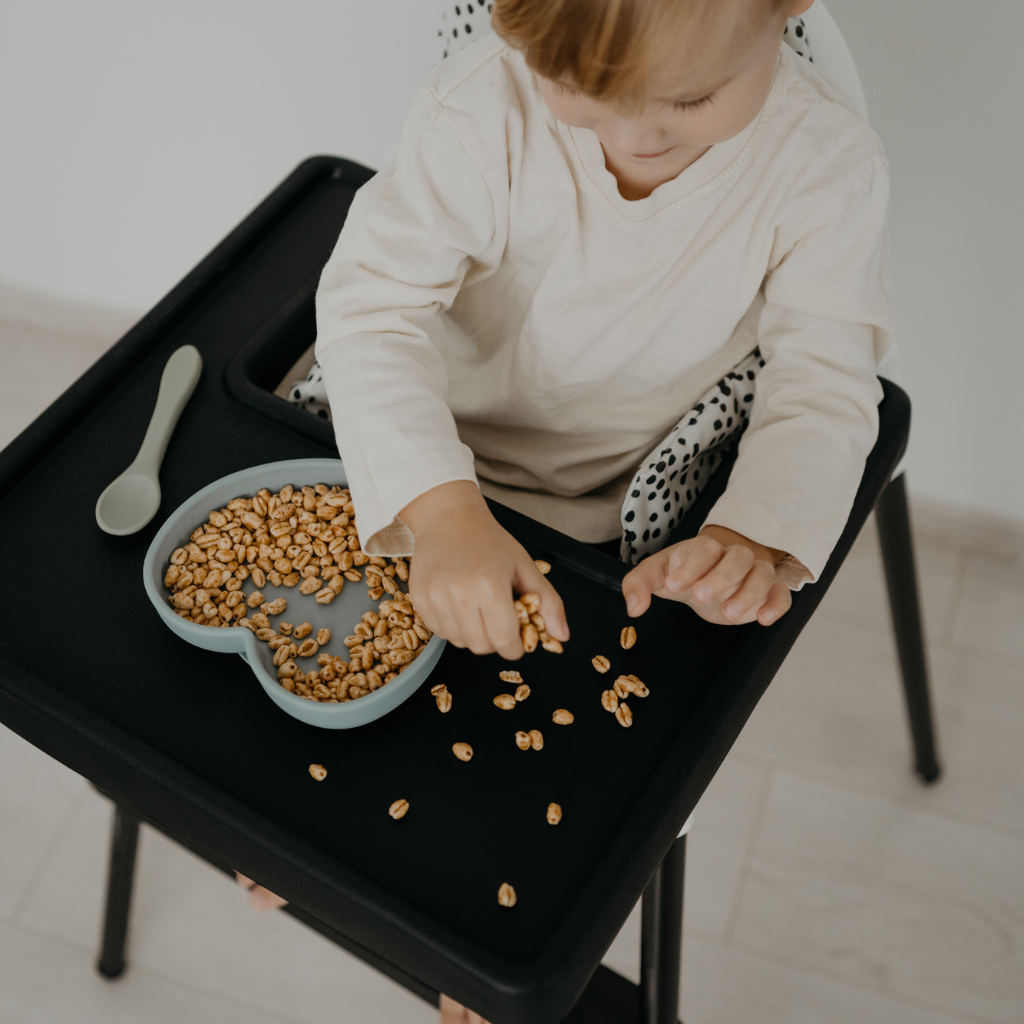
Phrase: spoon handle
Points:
(180, 376)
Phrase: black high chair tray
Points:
(89, 674)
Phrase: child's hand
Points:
(465, 570)
(721, 575)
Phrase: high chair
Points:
(152, 736)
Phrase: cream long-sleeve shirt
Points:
(495, 311)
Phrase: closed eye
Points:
(692, 104)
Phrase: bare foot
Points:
(455, 1013)
(259, 898)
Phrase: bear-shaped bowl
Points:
(340, 616)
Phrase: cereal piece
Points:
(601, 663)
(554, 814)
(624, 716)
(522, 692)
(323, 636)
(399, 809)
(528, 634)
(505, 701)
(621, 686)
(545, 567)
(301, 631)
(444, 701)
(248, 624)
(562, 717)
(531, 602)
(463, 751)
(436, 689)
(325, 596)
(376, 593)
(506, 895)
(522, 614)
(288, 668)
(266, 633)
(630, 684)
(536, 739)
(291, 580)
(285, 629)
(610, 701)
(256, 599)
(260, 621)
(510, 675)
(275, 607)
(318, 771)
(549, 643)
(523, 740)
(308, 648)
(627, 637)
(310, 585)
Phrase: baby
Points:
(593, 216)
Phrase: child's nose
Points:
(635, 136)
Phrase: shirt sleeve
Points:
(412, 234)
(824, 323)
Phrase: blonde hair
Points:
(607, 48)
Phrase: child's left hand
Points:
(723, 576)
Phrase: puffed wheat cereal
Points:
(318, 771)
(463, 751)
(510, 675)
(624, 716)
(601, 663)
(398, 809)
(523, 740)
(554, 814)
(536, 739)
(627, 637)
(545, 567)
(506, 895)
(610, 701)
(522, 692)
(562, 717)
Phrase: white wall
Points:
(134, 135)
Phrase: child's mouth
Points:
(650, 156)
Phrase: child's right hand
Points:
(466, 569)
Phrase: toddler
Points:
(593, 217)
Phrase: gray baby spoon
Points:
(131, 501)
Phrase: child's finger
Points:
(752, 593)
(690, 561)
(727, 574)
(779, 601)
(503, 629)
(644, 580)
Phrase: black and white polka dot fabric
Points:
(672, 476)
(795, 33)
(311, 394)
(462, 24)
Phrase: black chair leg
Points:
(892, 515)
(124, 842)
(661, 939)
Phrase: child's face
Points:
(691, 106)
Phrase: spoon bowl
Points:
(128, 503)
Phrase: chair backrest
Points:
(831, 54)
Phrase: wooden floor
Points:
(824, 884)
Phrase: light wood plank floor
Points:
(824, 885)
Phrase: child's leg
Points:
(259, 898)
(455, 1013)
